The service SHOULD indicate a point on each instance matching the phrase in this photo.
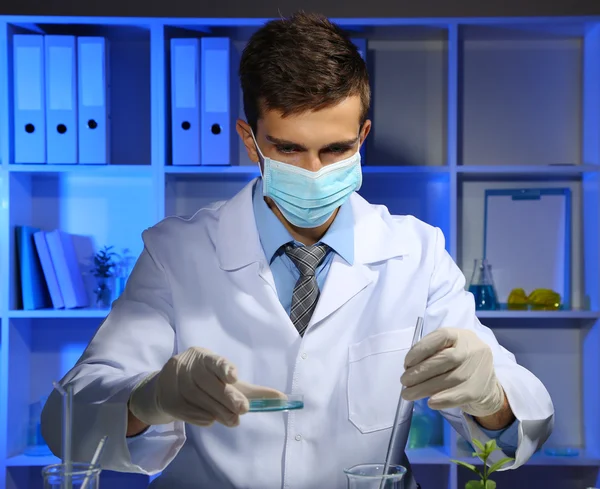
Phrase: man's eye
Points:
(287, 149)
(338, 149)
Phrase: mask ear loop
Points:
(259, 153)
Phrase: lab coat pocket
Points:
(374, 368)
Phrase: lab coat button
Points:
(304, 355)
(298, 437)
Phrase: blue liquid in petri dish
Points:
(485, 297)
(267, 405)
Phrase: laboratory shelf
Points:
(573, 314)
(100, 170)
(31, 461)
(58, 313)
(428, 456)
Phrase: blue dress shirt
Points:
(340, 238)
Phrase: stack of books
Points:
(49, 272)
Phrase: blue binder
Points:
(61, 99)
(185, 103)
(93, 100)
(29, 99)
(215, 102)
(34, 291)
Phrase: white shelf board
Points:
(573, 314)
(423, 456)
(538, 170)
(253, 170)
(102, 170)
(212, 170)
(31, 461)
(59, 313)
(419, 456)
(584, 459)
(405, 169)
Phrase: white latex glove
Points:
(197, 387)
(454, 368)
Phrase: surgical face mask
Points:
(308, 199)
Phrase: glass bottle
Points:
(370, 476)
(123, 270)
(482, 286)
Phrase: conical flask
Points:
(482, 286)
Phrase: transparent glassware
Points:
(421, 426)
(123, 270)
(370, 476)
(482, 286)
(36, 445)
(78, 476)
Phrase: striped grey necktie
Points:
(306, 292)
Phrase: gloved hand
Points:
(197, 387)
(454, 368)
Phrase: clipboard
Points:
(527, 240)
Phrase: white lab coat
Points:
(205, 281)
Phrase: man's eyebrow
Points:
(285, 142)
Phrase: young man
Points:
(295, 285)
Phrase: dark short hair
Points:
(301, 63)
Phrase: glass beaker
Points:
(482, 286)
(78, 476)
(371, 476)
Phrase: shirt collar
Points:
(273, 234)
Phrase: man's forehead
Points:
(321, 127)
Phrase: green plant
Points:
(104, 263)
(483, 453)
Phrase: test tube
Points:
(67, 404)
(400, 408)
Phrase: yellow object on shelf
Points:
(538, 300)
(517, 300)
(545, 300)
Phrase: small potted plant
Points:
(483, 453)
(103, 270)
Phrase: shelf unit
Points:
(459, 105)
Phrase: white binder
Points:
(215, 102)
(527, 240)
(29, 99)
(61, 99)
(185, 103)
(93, 100)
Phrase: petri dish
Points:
(293, 401)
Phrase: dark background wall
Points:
(332, 8)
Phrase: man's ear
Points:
(245, 132)
(364, 131)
